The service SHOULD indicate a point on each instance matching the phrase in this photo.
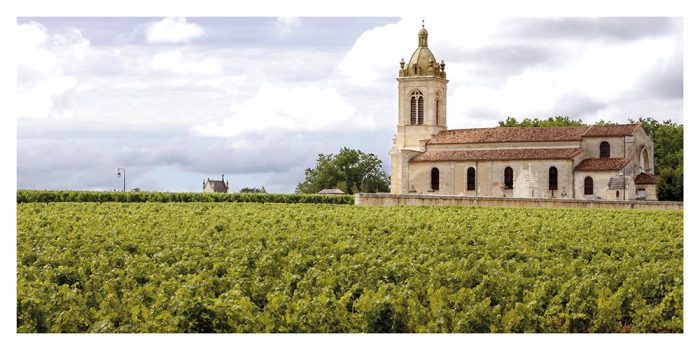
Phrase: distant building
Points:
(613, 162)
(331, 191)
(215, 186)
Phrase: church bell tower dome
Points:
(422, 62)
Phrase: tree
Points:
(549, 122)
(253, 190)
(350, 170)
(669, 186)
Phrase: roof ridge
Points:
(522, 127)
(545, 127)
(507, 153)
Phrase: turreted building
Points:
(613, 162)
(215, 186)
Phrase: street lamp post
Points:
(119, 173)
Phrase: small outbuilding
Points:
(215, 186)
(331, 191)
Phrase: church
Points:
(608, 162)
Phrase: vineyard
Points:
(269, 267)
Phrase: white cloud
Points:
(31, 56)
(483, 80)
(39, 100)
(173, 30)
(375, 55)
(43, 65)
(283, 108)
(174, 62)
(286, 25)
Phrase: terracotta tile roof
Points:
(530, 134)
(601, 164)
(611, 130)
(499, 154)
(508, 134)
(645, 179)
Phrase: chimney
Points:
(222, 177)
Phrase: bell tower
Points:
(422, 109)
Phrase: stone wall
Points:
(489, 177)
(385, 199)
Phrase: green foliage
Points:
(253, 190)
(254, 267)
(31, 196)
(350, 170)
(549, 122)
(670, 184)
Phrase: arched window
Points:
(471, 179)
(417, 108)
(413, 110)
(508, 178)
(553, 178)
(588, 185)
(604, 150)
(435, 179)
(421, 110)
(644, 161)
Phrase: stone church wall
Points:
(489, 177)
(592, 146)
(386, 199)
(601, 180)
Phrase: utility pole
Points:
(119, 173)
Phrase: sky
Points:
(178, 100)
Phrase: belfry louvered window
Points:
(417, 108)
(421, 110)
(413, 110)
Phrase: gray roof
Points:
(617, 183)
(218, 185)
(331, 191)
